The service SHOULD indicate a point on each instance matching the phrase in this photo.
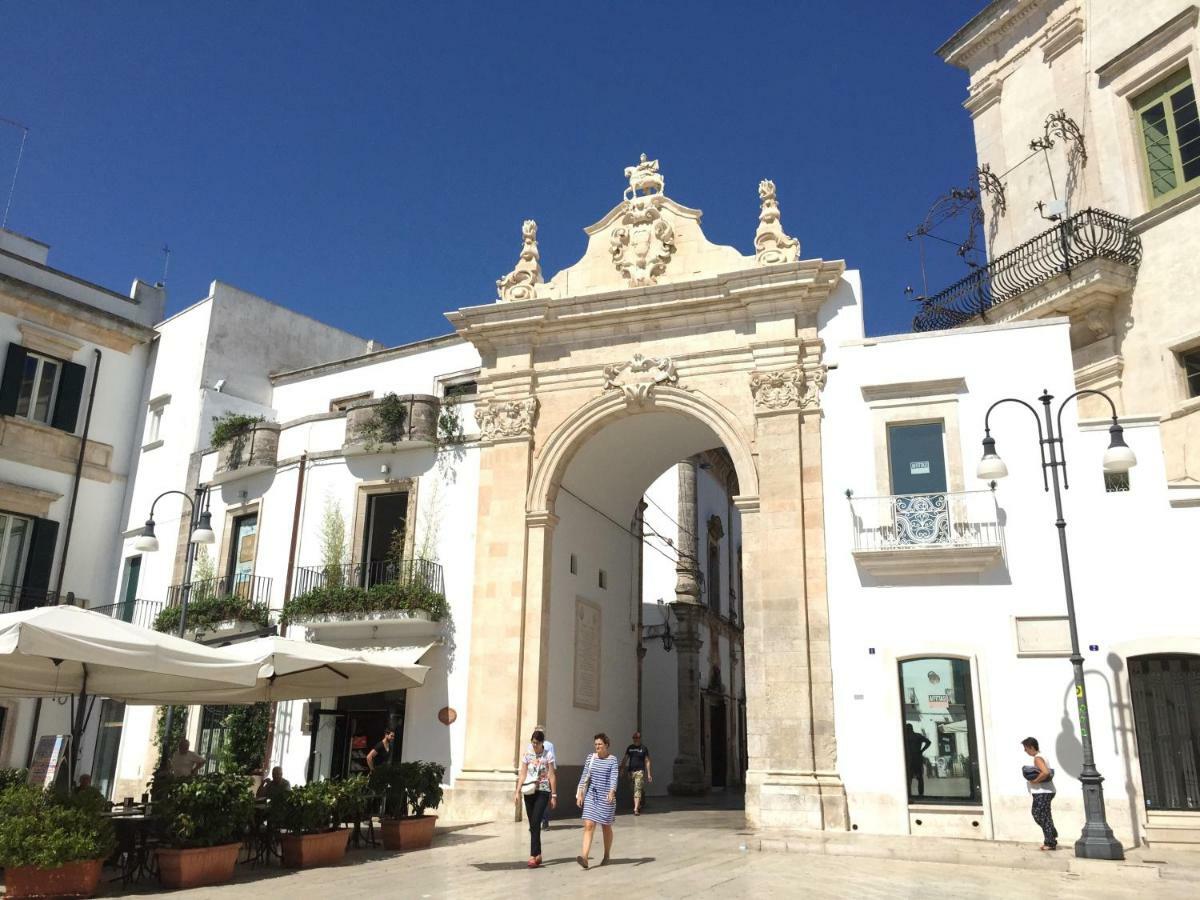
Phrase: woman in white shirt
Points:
(1040, 778)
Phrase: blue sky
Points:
(370, 164)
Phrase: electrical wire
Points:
(632, 534)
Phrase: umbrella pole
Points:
(77, 731)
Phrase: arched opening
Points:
(1166, 713)
(643, 592)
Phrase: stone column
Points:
(689, 771)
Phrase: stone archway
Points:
(655, 319)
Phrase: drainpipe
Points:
(62, 564)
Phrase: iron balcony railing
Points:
(135, 612)
(254, 588)
(1087, 235)
(920, 521)
(406, 571)
(14, 597)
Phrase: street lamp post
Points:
(1097, 840)
(147, 542)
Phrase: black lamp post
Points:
(147, 542)
(1097, 840)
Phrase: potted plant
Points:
(204, 821)
(309, 815)
(408, 789)
(208, 614)
(51, 846)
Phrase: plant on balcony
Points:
(230, 426)
(208, 612)
(449, 427)
(385, 424)
(410, 596)
(334, 549)
(51, 845)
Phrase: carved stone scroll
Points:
(638, 378)
(500, 419)
(794, 388)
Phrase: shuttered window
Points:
(1169, 135)
(41, 388)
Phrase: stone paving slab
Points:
(681, 854)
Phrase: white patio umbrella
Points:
(63, 650)
(60, 650)
(299, 670)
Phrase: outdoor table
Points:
(134, 847)
(262, 841)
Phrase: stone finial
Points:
(521, 282)
(643, 177)
(770, 243)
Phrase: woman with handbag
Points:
(1041, 785)
(537, 784)
(597, 795)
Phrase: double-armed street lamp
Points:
(147, 542)
(1097, 840)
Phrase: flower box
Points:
(307, 851)
(412, 833)
(74, 879)
(197, 866)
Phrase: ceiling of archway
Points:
(616, 465)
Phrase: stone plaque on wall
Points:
(587, 655)
(1043, 636)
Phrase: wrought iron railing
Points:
(135, 612)
(406, 571)
(919, 521)
(1087, 235)
(14, 597)
(254, 588)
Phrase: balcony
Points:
(386, 424)
(916, 534)
(401, 601)
(253, 451)
(136, 612)
(15, 597)
(254, 589)
(1093, 255)
(367, 575)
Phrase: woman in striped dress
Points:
(597, 795)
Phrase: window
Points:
(712, 572)
(916, 458)
(1116, 482)
(242, 551)
(341, 404)
(1169, 132)
(15, 533)
(603, 580)
(41, 388)
(941, 758)
(1191, 371)
(574, 564)
(461, 390)
(154, 426)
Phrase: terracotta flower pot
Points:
(75, 879)
(197, 866)
(307, 851)
(414, 833)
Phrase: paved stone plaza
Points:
(686, 853)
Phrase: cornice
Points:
(988, 26)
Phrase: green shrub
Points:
(408, 788)
(39, 829)
(230, 426)
(10, 777)
(246, 729)
(385, 423)
(179, 716)
(207, 810)
(307, 808)
(389, 597)
(351, 798)
(205, 612)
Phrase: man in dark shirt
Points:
(915, 744)
(637, 761)
(381, 752)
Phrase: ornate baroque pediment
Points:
(501, 419)
(638, 378)
(785, 389)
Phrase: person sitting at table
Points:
(185, 763)
(273, 786)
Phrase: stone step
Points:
(1173, 835)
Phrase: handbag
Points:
(530, 785)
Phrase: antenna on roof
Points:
(166, 263)
(20, 152)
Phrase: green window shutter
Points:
(70, 391)
(39, 563)
(1156, 138)
(1170, 135)
(10, 381)
(1187, 131)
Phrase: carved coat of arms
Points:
(638, 378)
(643, 242)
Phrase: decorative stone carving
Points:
(638, 378)
(642, 242)
(770, 243)
(519, 284)
(793, 388)
(499, 419)
(643, 177)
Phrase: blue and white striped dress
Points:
(600, 775)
